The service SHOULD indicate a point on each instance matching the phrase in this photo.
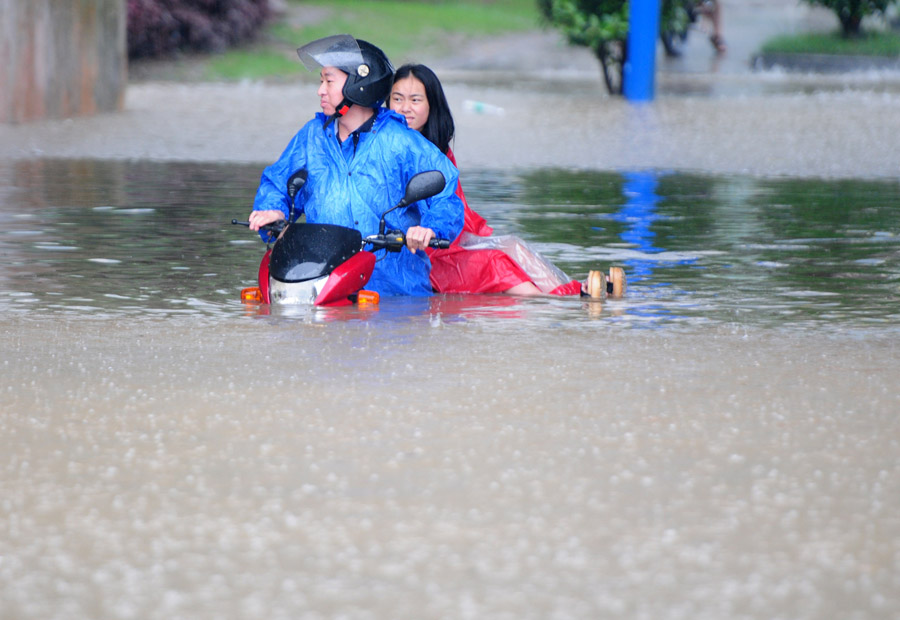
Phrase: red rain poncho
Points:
(462, 270)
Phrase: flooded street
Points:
(115, 239)
(237, 468)
(723, 442)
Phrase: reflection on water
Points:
(119, 238)
(455, 456)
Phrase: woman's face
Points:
(408, 98)
(331, 85)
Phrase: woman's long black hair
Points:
(439, 127)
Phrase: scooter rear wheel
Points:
(618, 280)
(596, 284)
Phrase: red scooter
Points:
(326, 264)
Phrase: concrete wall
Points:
(61, 58)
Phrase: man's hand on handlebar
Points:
(258, 219)
(418, 237)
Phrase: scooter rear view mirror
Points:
(421, 186)
(296, 181)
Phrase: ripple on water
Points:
(697, 249)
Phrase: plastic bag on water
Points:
(545, 275)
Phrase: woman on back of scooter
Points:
(359, 157)
(476, 262)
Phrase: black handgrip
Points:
(394, 240)
(273, 229)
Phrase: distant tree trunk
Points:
(851, 25)
(850, 13)
(61, 58)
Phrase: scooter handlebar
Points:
(394, 240)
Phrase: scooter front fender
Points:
(348, 278)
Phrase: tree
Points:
(599, 25)
(602, 27)
(587, 22)
(851, 12)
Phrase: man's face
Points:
(331, 85)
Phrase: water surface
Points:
(147, 238)
(722, 443)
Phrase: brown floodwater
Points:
(722, 443)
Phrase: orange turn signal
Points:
(251, 294)
(367, 297)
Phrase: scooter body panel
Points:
(332, 289)
(347, 278)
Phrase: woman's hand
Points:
(258, 219)
(417, 238)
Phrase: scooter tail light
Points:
(367, 297)
(251, 294)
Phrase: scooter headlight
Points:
(295, 292)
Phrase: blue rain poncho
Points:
(352, 183)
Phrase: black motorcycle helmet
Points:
(369, 72)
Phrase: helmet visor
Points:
(339, 50)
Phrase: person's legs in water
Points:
(713, 11)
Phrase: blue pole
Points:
(640, 66)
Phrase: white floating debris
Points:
(480, 107)
(55, 248)
(133, 211)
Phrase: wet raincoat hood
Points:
(352, 183)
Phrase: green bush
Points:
(161, 27)
(868, 44)
(851, 12)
